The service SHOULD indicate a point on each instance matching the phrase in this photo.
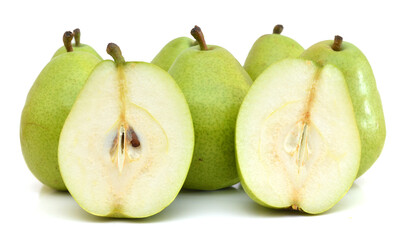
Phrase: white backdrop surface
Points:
(31, 31)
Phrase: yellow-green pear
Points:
(47, 106)
(171, 51)
(363, 91)
(269, 49)
(126, 146)
(214, 84)
(78, 46)
(297, 139)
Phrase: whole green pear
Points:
(170, 51)
(214, 84)
(269, 49)
(78, 46)
(363, 91)
(47, 106)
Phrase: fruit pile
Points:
(296, 127)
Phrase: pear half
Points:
(126, 146)
(297, 140)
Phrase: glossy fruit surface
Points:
(214, 84)
(171, 51)
(48, 103)
(269, 49)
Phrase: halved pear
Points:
(126, 146)
(297, 140)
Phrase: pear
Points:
(126, 146)
(170, 51)
(269, 49)
(47, 106)
(78, 47)
(297, 139)
(363, 91)
(214, 84)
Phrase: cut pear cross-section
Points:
(297, 140)
(127, 143)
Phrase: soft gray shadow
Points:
(232, 201)
(60, 204)
(353, 198)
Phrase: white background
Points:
(30, 32)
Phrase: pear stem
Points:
(336, 46)
(198, 35)
(77, 36)
(278, 29)
(67, 38)
(116, 54)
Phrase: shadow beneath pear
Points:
(231, 202)
(60, 204)
(354, 197)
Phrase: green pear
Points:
(363, 91)
(269, 49)
(170, 51)
(126, 146)
(214, 84)
(297, 140)
(47, 106)
(78, 46)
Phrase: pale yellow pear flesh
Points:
(297, 140)
(103, 170)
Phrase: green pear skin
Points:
(269, 49)
(81, 48)
(364, 95)
(171, 51)
(48, 103)
(214, 84)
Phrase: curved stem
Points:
(198, 35)
(116, 54)
(67, 38)
(336, 46)
(278, 29)
(77, 36)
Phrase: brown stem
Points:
(67, 38)
(77, 36)
(278, 29)
(336, 46)
(116, 54)
(198, 35)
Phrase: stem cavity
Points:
(198, 35)
(67, 38)
(77, 36)
(278, 29)
(116, 54)
(336, 46)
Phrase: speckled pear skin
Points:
(269, 49)
(48, 103)
(81, 48)
(214, 84)
(171, 51)
(364, 95)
